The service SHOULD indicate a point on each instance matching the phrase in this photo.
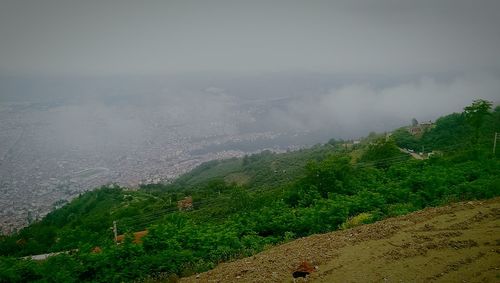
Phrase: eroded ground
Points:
(456, 243)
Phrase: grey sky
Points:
(116, 37)
(347, 66)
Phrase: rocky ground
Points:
(455, 243)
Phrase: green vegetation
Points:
(241, 206)
(360, 219)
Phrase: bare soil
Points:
(455, 243)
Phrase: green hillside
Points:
(241, 206)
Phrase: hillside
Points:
(241, 207)
(458, 242)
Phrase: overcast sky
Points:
(117, 37)
(347, 66)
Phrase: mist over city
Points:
(130, 93)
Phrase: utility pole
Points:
(495, 143)
(115, 232)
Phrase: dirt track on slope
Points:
(455, 243)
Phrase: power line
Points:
(145, 219)
(153, 217)
(158, 214)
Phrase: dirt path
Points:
(456, 243)
(413, 154)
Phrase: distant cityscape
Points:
(40, 171)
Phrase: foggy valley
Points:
(61, 138)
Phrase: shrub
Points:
(360, 219)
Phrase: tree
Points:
(379, 151)
(476, 113)
(414, 122)
(404, 139)
(331, 175)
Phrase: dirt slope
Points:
(455, 243)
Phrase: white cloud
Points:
(356, 109)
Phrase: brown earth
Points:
(455, 243)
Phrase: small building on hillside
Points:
(137, 237)
(185, 204)
(420, 128)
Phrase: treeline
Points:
(475, 127)
(266, 200)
